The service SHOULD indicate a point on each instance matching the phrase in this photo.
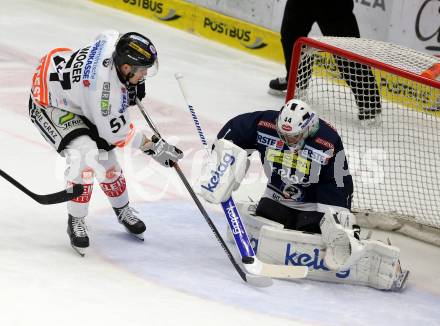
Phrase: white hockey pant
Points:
(84, 162)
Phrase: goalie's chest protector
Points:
(306, 169)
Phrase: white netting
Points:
(387, 53)
(390, 125)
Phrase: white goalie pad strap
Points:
(378, 267)
(342, 248)
(224, 171)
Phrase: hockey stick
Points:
(251, 279)
(49, 199)
(251, 263)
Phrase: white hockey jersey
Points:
(85, 82)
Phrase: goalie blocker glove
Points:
(224, 171)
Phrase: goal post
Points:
(384, 100)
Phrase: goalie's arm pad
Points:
(223, 172)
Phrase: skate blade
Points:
(139, 237)
(400, 284)
(275, 92)
(80, 251)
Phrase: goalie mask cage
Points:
(385, 103)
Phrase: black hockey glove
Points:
(137, 90)
(164, 153)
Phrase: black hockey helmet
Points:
(137, 51)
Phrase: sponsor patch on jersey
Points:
(105, 99)
(269, 141)
(124, 100)
(65, 120)
(289, 159)
(106, 62)
(316, 155)
(78, 64)
(91, 65)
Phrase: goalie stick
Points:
(49, 199)
(251, 279)
(251, 263)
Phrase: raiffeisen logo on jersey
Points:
(269, 141)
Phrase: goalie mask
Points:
(296, 121)
(137, 51)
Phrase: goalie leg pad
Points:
(378, 267)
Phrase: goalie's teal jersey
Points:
(313, 179)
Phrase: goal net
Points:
(384, 100)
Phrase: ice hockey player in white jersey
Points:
(303, 217)
(79, 103)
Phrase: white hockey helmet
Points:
(296, 121)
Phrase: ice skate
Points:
(369, 114)
(76, 229)
(278, 86)
(127, 217)
(399, 283)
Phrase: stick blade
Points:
(61, 196)
(257, 267)
(284, 272)
(258, 280)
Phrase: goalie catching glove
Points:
(224, 171)
(162, 152)
(341, 236)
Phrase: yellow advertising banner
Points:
(393, 88)
(198, 20)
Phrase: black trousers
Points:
(334, 18)
(291, 218)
